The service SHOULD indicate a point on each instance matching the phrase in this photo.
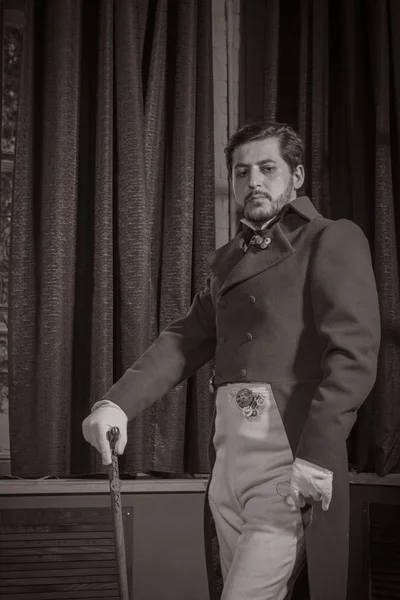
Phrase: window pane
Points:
(12, 47)
(5, 225)
(12, 51)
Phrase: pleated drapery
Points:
(332, 69)
(113, 214)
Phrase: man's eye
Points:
(268, 169)
(241, 173)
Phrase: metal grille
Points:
(57, 554)
(385, 551)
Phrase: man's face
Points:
(261, 180)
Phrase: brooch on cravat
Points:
(259, 241)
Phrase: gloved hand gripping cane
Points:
(116, 505)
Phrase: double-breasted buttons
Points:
(249, 336)
(243, 372)
(221, 340)
(252, 299)
(222, 303)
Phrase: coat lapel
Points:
(257, 260)
(223, 260)
(232, 266)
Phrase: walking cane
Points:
(116, 505)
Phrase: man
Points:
(290, 313)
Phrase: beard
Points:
(263, 208)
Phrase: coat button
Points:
(252, 299)
(221, 340)
(243, 372)
(249, 337)
(222, 303)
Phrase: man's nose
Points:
(254, 180)
(254, 184)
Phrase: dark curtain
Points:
(331, 68)
(113, 214)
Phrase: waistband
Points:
(248, 385)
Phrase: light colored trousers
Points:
(261, 537)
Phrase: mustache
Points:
(254, 195)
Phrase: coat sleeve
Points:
(346, 309)
(178, 352)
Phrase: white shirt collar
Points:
(260, 227)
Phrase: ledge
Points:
(65, 487)
(393, 479)
(145, 485)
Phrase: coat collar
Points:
(303, 207)
(232, 266)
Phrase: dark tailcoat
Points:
(303, 316)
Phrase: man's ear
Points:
(298, 177)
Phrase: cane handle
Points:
(113, 435)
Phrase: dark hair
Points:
(290, 143)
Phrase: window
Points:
(11, 68)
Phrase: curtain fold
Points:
(115, 115)
(386, 420)
(335, 75)
(271, 54)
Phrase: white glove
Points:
(310, 481)
(105, 415)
